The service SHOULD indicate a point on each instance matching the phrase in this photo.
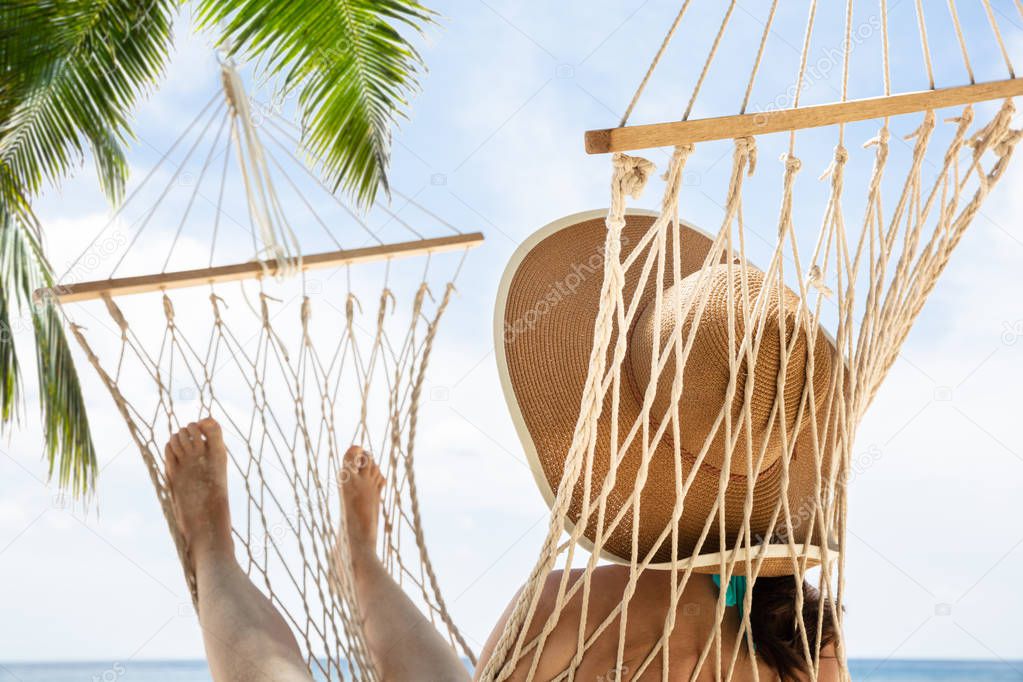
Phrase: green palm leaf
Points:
(69, 448)
(75, 68)
(351, 66)
(70, 73)
(9, 373)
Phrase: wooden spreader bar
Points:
(728, 127)
(123, 286)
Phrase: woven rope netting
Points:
(295, 368)
(862, 267)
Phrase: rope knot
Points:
(387, 295)
(215, 301)
(792, 163)
(1007, 136)
(632, 173)
(382, 311)
(996, 135)
(673, 174)
(679, 156)
(168, 309)
(747, 147)
(264, 308)
(1008, 142)
(421, 294)
(925, 127)
(117, 315)
(307, 312)
(879, 140)
(964, 119)
(837, 162)
(350, 304)
(815, 279)
(226, 78)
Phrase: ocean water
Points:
(863, 670)
(867, 670)
(95, 671)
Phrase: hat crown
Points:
(707, 372)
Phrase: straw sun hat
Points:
(544, 320)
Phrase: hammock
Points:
(298, 356)
(863, 274)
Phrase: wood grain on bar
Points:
(728, 127)
(122, 286)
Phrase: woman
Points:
(547, 303)
(247, 639)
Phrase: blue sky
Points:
(494, 143)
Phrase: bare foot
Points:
(196, 466)
(360, 482)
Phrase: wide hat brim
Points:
(544, 320)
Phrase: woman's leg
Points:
(245, 636)
(403, 643)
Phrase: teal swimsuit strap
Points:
(735, 593)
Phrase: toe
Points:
(170, 461)
(211, 429)
(176, 445)
(185, 441)
(356, 460)
(195, 438)
(352, 454)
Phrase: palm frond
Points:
(70, 73)
(73, 70)
(70, 453)
(69, 450)
(351, 65)
(9, 371)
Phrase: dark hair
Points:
(776, 635)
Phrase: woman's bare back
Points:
(647, 613)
